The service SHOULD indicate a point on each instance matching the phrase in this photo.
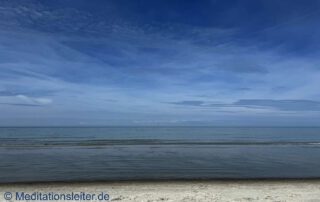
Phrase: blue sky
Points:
(123, 62)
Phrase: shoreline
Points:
(214, 180)
(184, 190)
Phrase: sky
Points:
(159, 62)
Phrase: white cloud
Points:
(34, 100)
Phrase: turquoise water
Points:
(126, 153)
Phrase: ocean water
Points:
(156, 153)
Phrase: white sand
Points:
(184, 190)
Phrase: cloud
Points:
(39, 101)
(285, 105)
(189, 103)
(282, 105)
(28, 92)
(88, 60)
(21, 104)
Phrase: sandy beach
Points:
(280, 190)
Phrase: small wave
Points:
(314, 143)
(119, 142)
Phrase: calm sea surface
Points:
(133, 153)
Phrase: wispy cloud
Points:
(88, 58)
(21, 104)
(282, 105)
(286, 105)
(40, 100)
(188, 103)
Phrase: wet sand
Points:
(263, 190)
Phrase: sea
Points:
(73, 154)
